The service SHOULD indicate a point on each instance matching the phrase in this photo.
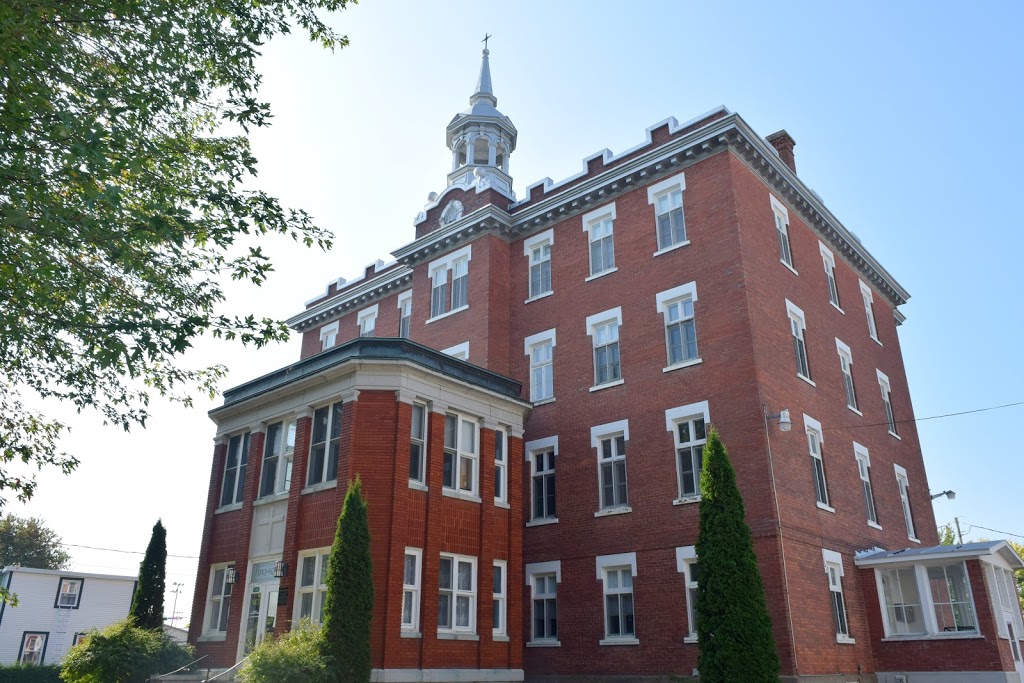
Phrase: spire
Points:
(484, 90)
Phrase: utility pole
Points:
(174, 610)
(959, 536)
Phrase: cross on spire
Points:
(487, 36)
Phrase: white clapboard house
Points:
(55, 609)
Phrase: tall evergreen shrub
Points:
(148, 601)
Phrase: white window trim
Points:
(595, 321)
(779, 208)
(413, 630)
(861, 452)
(831, 557)
(656, 190)
(901, 479)
(686, 556)
(597, 433)
(530, 448)
(502, 629)
(602, 564)
(455, 491)
(673, 416)
(795, 313)
(532, 570)
(528, 345)
(403, 297)
(445, 263)
(208, 632)
(421, 483)
(501, 500)
(329, 335)
(829, 262)
(886, 388)
(662, 301)
(812, 425)
(529, 244)
(365, 315)
(315, 588)
(238, 495)
(473, 593)
(460, 351)
(869, 310)
(927, 605)
(589, 220)
(844, 351)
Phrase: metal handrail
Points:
(182, 668)
(225, 671)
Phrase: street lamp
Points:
(785, 424)
(948, 494)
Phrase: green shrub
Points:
(124, 653)
(293, 658)
(29, 674)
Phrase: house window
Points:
(218, 603)
(545, 607)
(368, 321)
(814, 444)
(499, 594)
(599, 226)
(908, 515)
(445, 299)
(603, 329)
(278, 449)
(927, 600)
(610, 441)
(79, 638)
(540, 348)
(686, 564)
(456, 605)
(542, 466)
(500, 466)
(538, 250)
(411, 577)
(1005, 602)
(404, 314)
(616, 573)
(312, 585)
(890, 417)
(864, 467)
(418, 444)
(869, 309)
(69, 593)
(667, 199)
(798, 328)
(846, 367)
(328, 336)
(829, 261)
(676, 305)
(781, 214)
(33, 648)
(951, 598)
(325, 445)
(688, 427)
(233, 484)
(460, 454)
(834, 572)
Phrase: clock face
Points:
(452, 212)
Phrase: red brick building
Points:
(531, 456)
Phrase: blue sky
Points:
(906, 117)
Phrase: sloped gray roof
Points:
(877, 556)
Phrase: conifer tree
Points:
(348, 606)
(733, 627)
(148, 601)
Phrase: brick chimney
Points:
(784, 143)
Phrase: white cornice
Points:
(366, 292)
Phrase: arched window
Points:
(481, 150)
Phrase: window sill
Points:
(619, 641)
(462, 495)
(684, 364)
(914, 540)
(417, 485)
(601, 274)
(322, 486)
(690, 640)
(896, 436)
(874, 525)
(445, 315)
(845, 640)
(544, 521)
(450, 635)
(212, 638)
(267, 500)
(835, 306)
(623, 510)
(411, 634)
(789, 267)
(806, 379)
(543, 401)
(499, 638)
(228, 508)
(826, 508)
(954, 635)
(543, 643)
(854, 410)
(539, 296)
(607, 385)
(502, 504)
(875, 339)
(686, 500)
(665, 250)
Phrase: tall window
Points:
(869, 309)
(276, 476)
(439, 291)
(325, 445)
(328, 335)
(671, 228)
(69, 592)
(890, 417)
(500, 466)
(404, 314)
(781, 214)
(908, 515)
(829, 261)
(599, 226)
(219, 602)
(445, 299)
(538, 250)
(540, 348)
(33, 647)
(542, 462)
(411, 576)
(934, 599)
(312, 585)
(814, 444)
(233, 485)
(456, 605)
(798, 327)
(368, 322)
(612, 469)
(499, 598)
(834, 572)
(460, 454)
(460, 283)
(691, 437)
(686, 564)
(418, 444)
(618, 603)
(846, 367)
(676, 305)
(603, 329)
(545, 607)
(864, 468)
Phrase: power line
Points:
(127, 552)
(933, 417)
(996, 531)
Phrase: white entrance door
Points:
(1018, 658)
(259, 616)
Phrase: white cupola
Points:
(481, 140)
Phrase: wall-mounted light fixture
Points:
(280, 569)
(948, 494)
(230, 576)
(785, 424)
